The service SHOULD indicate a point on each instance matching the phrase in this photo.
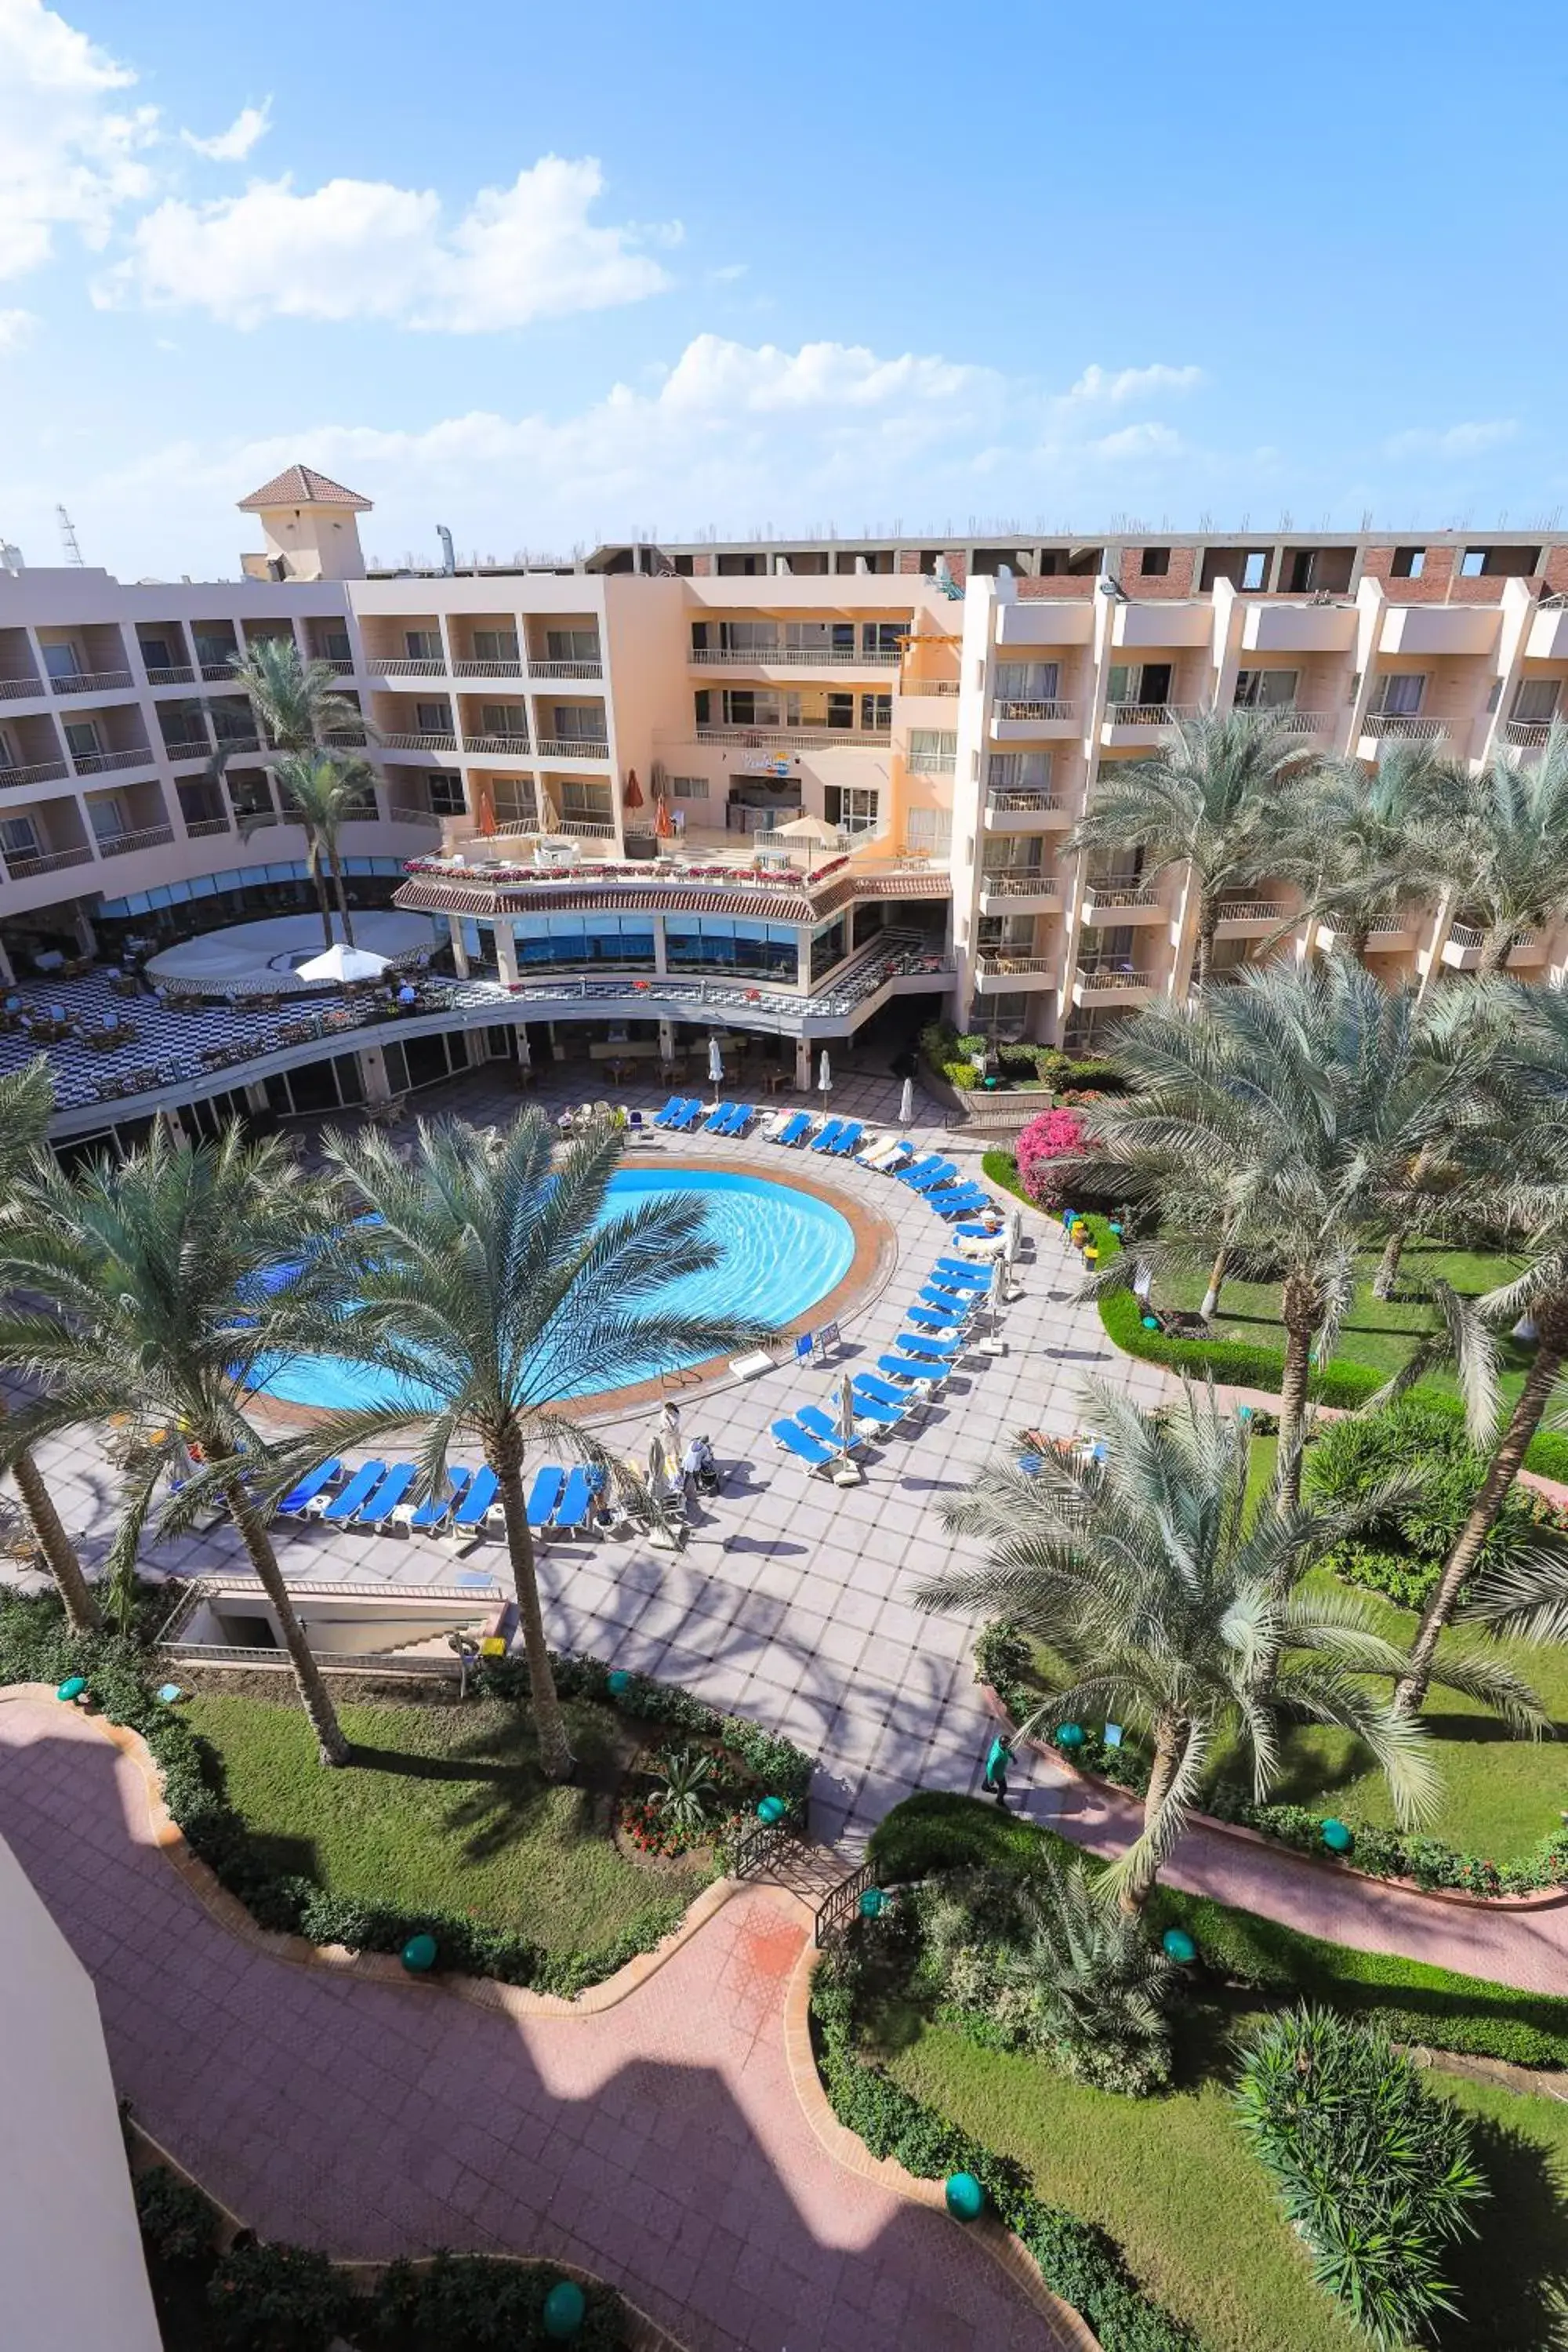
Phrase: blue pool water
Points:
(780, 1252)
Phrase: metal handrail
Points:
(503, 666)
(423, 667)
(1005, 967)
(1147, 714)
(1402, 726)
(98, 763)
(124, 844)
(1018, 882)
(1012, 803)
(199, 828)
(50, 861)
(799, 739)
(584, 668)
(413, 740)
(41, 771)
(170, 674)
(515, 747)
(840, 1906)
(1529, 734)
(573, 747)
(1250, 911)
(90, 681)
(1117, 894)
(800, 657)
(13, 690)
(1041, 711)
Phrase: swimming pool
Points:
(780, 1252)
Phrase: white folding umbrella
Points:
(715, 1066)
(524, 1050)
(907, 1104)
(824, 1075)
(342, 963)
(1015, 1241)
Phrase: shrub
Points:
(1005, 1661)
(935, 1831)
(1395, 1853)
(1056, 1137)
(463, 2302)
(177, 2222)
(1375, 2174)
(1000, 1168)
(276, 2299)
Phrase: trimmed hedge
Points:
(35, 1645)
(1248, 1364)
(933, 1832)
(1077, 2262)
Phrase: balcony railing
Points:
(796, 738)
(1021, 803)
(939, 686)
(339, 668)
(1009, 967)
(806, 657)
(573, 747)
(1019, 882)
(1111, 898)
(124, 845)
(98, 763)
(410, 813)
(1400, 727)
(1122, 977)
(346, 738)
(932, 763)
(231, 744)
(586, 829)
(1529, 734)
(91, 681)
(421, 668)
(47, 861)
(499, 665)
(1146, 714)
(1041, 712)
(1251, 910)
(511, 746)
(170, 674)
(183, 754)
(13, 690)
(430, 740)
(220, 673)
(584, 668)
(202, 828)
(1302, 722)
(42, 772)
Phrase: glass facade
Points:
(557, 942)
(722, 943)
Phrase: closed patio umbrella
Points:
(524, 1050)
(548, 817)
(845, 1413)
(633, 795)
(1015, 1241)
(907, 1104)
(824, 1075)
(662, 824)
(715, 1066)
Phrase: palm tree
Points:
(1177, 1611)
(301, 713)
(1281, 1119)
(496, 1283)
(1364, 845)
(1511, 847)
(1098, 1983)
(157, 1279)
(1210, 800)
(26, 1101)
(321, 794)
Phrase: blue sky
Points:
(553, 275)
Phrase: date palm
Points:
(1178, 1611)
(301, 712)
(1210, 800)
(499, 1280)
(1510, 858)
(1283, 1118)
(1363, 845)
(156, 1278)
(26, 1101)
(319, 794)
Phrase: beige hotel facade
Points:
(586, 776)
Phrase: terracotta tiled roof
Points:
(301, 485)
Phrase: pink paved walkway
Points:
(1526, 1948)
(661, 2144)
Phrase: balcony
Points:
(995, 974)
(942, 689)
(220, 673)
(499, 665)
(1019, 890)
(1142, 722)
(425, 668)
(202, 828)
(1463, 949)
(1300, 722)
(1014, 722)
(170, 674)
(565, 669)
(1025, 811)
(1122, 902)
(585, 828)
(126, 844)
(15, 689)
(1096, 983)
(230, 746)
(1528, 734)
(502, 747)
(183, 754)
(42, 772)
(1401, 727)
(48, 861)
(91, 681)
(573, 747)
(1246, 918)
(793, 738)
(437, 740)
(805, 658)
(1389, 935)
(1287, 628)
(99, 763)
(331, 661)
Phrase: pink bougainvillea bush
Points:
(1056, 1137)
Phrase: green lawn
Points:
(1171, 2182)
(444, 1809)
(1378, 1332)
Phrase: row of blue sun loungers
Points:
(685, 1112)
(906, 1379)
(378, 1497)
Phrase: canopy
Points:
(809, 828)
(342, 963)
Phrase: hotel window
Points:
(433, 718)
(571, 645)
(883, 637)
(688, 788)
(495, 644)
(746, 705)
(447, 794)
(929, 831)
(1535, 703)
(1266, 689)
(155, 653)
(335, 645)
(422, 645)
(81, 737)
(857, 807)
(839, 712)
(1019, 772)
(508, 719)
(1027, 681)
(579, 722)
(1399, 693)
(108, 819)
(62, 662)
(760, 638)
(876, 713)
(1255, 568)
(933, 751)
(18, 838)
(835, 637)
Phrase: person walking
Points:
(998, 1755)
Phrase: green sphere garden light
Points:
(419, 1954)
(772, 1810)
(1338, 1836)
(565, 2309)
(964, 2197)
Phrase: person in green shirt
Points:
(998, 1755)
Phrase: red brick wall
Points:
(1057, 583)
(1439, 583)
(1179, 581)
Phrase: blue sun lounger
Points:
(319, 1481)
(739, 1118)
(574, 1512)
(957, 1273)
(544, 1497)
(915, 1168)
(671, 1113)
(943, 1346)
(953, 1303)
(875, 1408)
(376, 1509)
(477, 1503)
(795, 1129)
(353, 1497)
(432, 1514)
(825, 1427)
(935, 1178)
(933, 1318)
(959, 1204)
(827, 1135)
(913, 1368)
(803, 1445)
(871, 1388)
(718, 1120)
(848, 1139)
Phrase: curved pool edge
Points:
(870, 1270)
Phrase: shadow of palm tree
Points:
(1512, 2282)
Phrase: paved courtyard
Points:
(793, 1601)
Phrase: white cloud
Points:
(368, 249)
(1467, 440)
(1099, 386)
(1136, 441)
(71, 152)
(15, 329)
(713, 374)
(233, 145)
(728, 273)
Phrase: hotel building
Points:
(769, 789)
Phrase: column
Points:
(460, 953)
(803, 1065)
(506, 950)
(8, 973)
(86, 937)
(373, 1070)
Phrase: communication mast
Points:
(68, 535)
